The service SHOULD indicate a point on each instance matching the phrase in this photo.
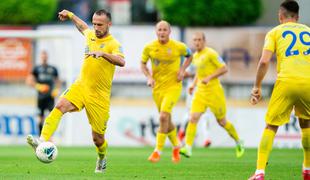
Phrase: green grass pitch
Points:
(19, 162)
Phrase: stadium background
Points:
(134, 118)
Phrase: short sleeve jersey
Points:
(166, 62)
(97, 73)
(291, 43)
(207, 61)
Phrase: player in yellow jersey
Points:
(209, 94)
(92, 88)
(290, 41)
(166, 81)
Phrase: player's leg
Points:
(101, 147)
(51, 122)
(71, 100)
(41, 108)
(54, 117)
(190, 134)
(98, 115)
(199, 106)
(172, 135)
(302, 111)
(44, 104)
(278, 113)
(231, 130)
(305, 141)
(264, 149)
(217, 104)
(160, 136)
(169, 101)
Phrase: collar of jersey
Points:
(108, 37)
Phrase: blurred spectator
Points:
(44, 78)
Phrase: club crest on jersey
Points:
(102, 45)
(169, 51)
(156, 62)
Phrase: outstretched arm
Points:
(79, 23)
(261, 72)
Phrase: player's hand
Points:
(191, 89)
(151, 82)
(42, 88)
(256, 95)
(206, 80)
(94, 54)
(55, 92)
(63, 15)
(181, 74)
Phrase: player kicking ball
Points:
(92, 89)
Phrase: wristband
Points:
(70, 15)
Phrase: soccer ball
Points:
(46, 152)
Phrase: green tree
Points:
(27, 11)
(209, 12)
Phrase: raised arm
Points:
(79, 23)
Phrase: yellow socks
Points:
(305, 141)
(160, 141)
(264, 148)
(102, 150)
(190, 133)
(231, 131)
(51, 124)
(172, 135)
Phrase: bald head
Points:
(199, 41)
(200, 35)
(163, 31)
(162, 24)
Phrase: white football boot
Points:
(101, 165)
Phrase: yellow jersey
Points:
(97, 74)
(166, 62)
(206, 62)
(291, 43)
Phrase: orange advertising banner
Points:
(15, 58)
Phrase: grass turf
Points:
(19, 162)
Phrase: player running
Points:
(166, 83)
(209, 94)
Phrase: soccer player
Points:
(92, 89)
(290, 41)
(166, 83)
(188, 78)
(44, 78)
(209, 94)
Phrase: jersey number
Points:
(289, 51)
